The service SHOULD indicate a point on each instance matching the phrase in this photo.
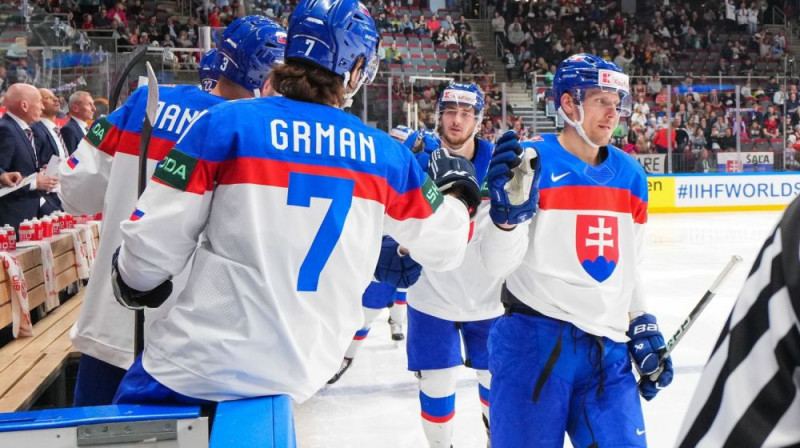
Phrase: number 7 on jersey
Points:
(303, 187)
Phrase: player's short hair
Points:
(308, 82)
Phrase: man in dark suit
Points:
(48, 135)
(19, 156)
(81, 110)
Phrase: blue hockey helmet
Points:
(401, 133)
(580, 72)
(334, 34)
(248, 49)
(208, 71)
(463, 95)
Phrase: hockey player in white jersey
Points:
(101, 176)
(293, 195)
(453, 309)
(576, 315)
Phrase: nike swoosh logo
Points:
(639, 431)
(555, 178)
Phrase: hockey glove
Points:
(133, 299)
(513, 180)
(396, 269)
(646, 346)
(455, 175)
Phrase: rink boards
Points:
(671, 193)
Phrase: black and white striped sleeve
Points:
(748, 393)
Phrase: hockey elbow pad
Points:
(455, 175)
(133, 299)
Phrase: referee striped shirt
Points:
(748, 393)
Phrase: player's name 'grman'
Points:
(319, 138)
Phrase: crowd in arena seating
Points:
(663, 40)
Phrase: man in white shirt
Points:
(48, 136)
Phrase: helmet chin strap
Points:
(348, 97)
(578, 125)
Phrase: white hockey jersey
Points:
(293, 199)
(470, 292)
(578, 259)
(101, 175)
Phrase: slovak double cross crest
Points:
(597, 245)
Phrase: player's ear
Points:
(355, 74)
(567, 103)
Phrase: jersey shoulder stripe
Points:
(284, 130)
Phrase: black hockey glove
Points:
(133, 299)
(455, 175)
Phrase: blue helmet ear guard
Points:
(580, 72)
(334, 34)
(207, 71)
(248, 50)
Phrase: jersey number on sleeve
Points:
(303, 187)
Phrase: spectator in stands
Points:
(454, 63)
(170, 28)
(183, 40)
(515, 33)
(661, 141)
(118, 13)
(166, 41)
(727, 140)
(447, 23)
(479, 65)
(698, 139)
(214, 20)
(462, 24)
(450, 39)
(133, 36)
(192, 30)
(638, 117)
(407, 26)
(754, 131)
(383, 24)
(510, 63)
(87, 23)
(747, 67)
(721, 125)
(100, 19)
(499, 27)
(771, 127)
(393, 55)
(654, 85)
(703, 164)
(152, 28)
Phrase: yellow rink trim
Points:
(727, 208)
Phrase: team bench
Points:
(31, 365)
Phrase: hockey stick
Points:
(689, 321)
(136, 56)
(144, 142)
